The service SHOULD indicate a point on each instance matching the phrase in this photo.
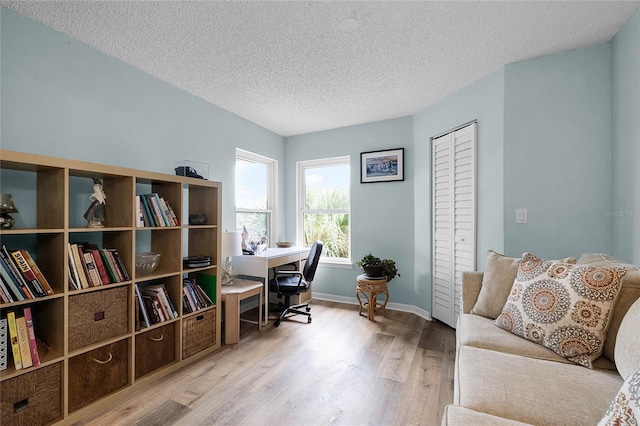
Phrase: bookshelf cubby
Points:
(92, 348)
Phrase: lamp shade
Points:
(231, 244)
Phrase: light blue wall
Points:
(382, 213)
(64, 99)
(555, 135)
(557, 153)
(625, 203)
(481, 101)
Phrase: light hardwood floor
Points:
(341, 369)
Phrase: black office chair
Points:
(290, 283)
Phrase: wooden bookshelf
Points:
(90, 359)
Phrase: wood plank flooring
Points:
(341, 369)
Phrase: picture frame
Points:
(382, 166)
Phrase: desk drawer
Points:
(283, 260)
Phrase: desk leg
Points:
(266, 299)
(232, 319)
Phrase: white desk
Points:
(258, 266)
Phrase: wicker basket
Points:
(198, 332)
(97, 316)
(97, 373)
(155, 348)
(32, 398)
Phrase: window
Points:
(255, 194)
(324, 207)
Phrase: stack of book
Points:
(90, 266)
(20, 277)
(153, 210)
(154, 304)
(194, 298)
(22, 340)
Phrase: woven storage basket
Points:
(198, 332)
(97, 373)
(32, 398)
(97, 316)
(155, 348)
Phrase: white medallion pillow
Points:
(625, 408)
(562, 306)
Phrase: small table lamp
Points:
(6, 207)
(231, 246)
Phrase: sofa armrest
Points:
(471, 284)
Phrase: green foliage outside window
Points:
(330, 228)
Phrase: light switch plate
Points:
(521, 215)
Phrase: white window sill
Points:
(343, 263)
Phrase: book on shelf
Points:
(36, 270)
(144, 320)
(159, 293)
(90, 266)
(4, 341)
(5, 294)
(97, 259)
(120, 264)
(23, 341)
(14, 274)
(93, 276)
(79, 266)
(27, 274)
(153, 309)
(13, 336)
(195, 296)
(10, 283)
(155, 211)
(33, 343)
(139, 213)
(157, 207)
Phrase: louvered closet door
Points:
(453, 215)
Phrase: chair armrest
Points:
(471, 285)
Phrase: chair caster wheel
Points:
(308, 308)
(309, 320)
(277, 323)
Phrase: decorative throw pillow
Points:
(625, 407)
(499, 273)
(562, 306)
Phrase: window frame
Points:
(272, 194)
(301, 168)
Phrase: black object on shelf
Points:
(196, 261)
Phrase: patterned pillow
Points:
(562, 306)
(625, 408)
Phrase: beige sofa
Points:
(504, 379)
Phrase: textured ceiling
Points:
(288, 67)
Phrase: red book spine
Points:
(35, 358)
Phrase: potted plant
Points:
(374, 267)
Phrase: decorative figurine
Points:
(95, 212)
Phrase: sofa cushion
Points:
(627, 352)
(480, 332)
(499, 273)
(625, 407)
(456, 416)
(629, 293)
(532, 390)
(562, 306)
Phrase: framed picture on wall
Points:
(382, 166)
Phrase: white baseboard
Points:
(391, 306)
(350, 301)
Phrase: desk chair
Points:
(290, 283)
